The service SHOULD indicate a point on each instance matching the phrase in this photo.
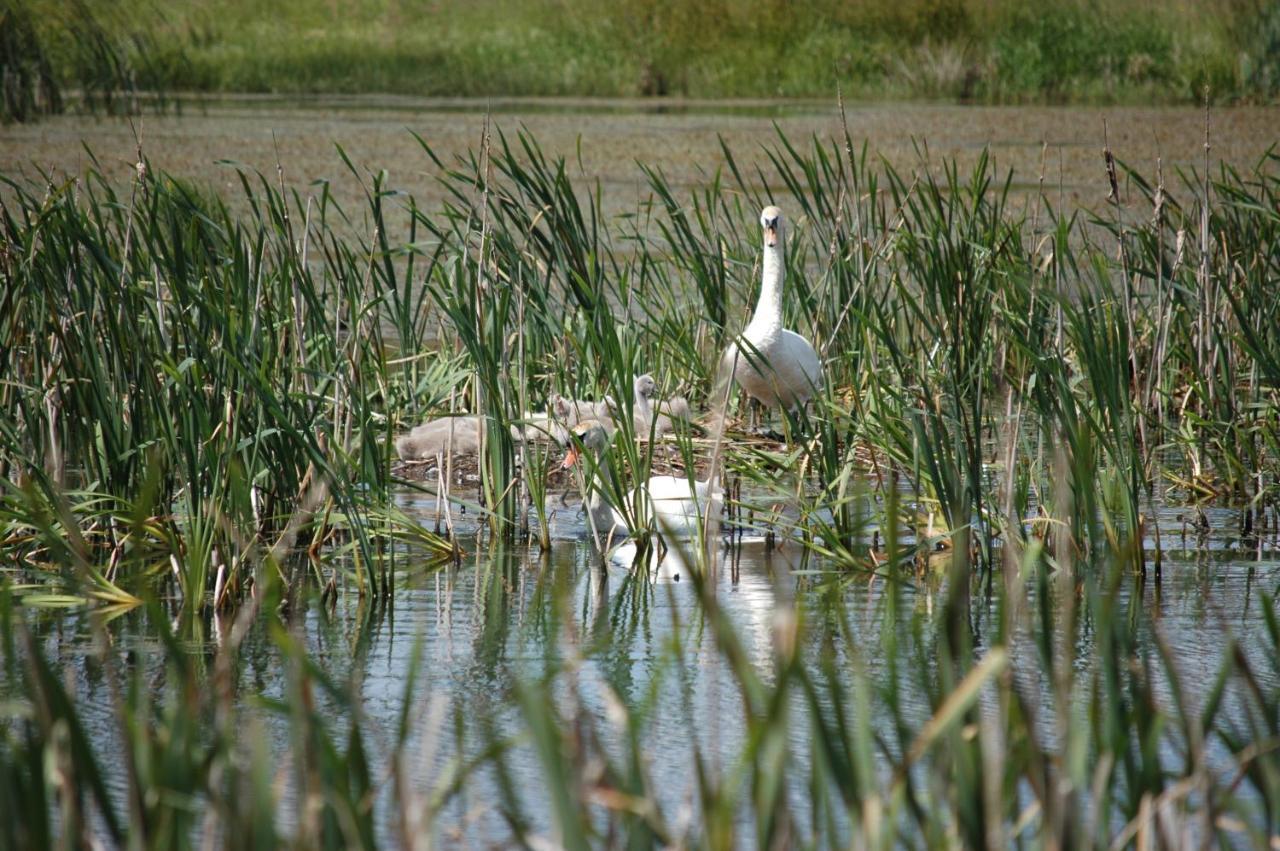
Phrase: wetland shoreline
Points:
(225, 617)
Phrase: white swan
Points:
(677, 507)
(777, 367)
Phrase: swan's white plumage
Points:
(779, 369)
(774, 365)
(678, 507)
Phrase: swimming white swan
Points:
(677, 507)
(777, 367)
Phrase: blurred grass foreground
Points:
(1129, 51)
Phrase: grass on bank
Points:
(951, 49)
(964, 50)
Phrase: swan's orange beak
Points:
(570, 458)
(771, 236)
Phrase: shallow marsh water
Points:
(607, 138)
(508, 616)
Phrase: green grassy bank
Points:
(980, 50)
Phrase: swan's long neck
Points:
(598, 505)
(642, 413)
(769, 309)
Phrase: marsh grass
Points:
(103, 55)
(925, 48)
(189, 391)
(192, 397)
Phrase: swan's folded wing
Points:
(807, 366)
(671, 489)
(679, 509)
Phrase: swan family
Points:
(772, 364)
(461, 434)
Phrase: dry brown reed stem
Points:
(481, 402)
(1204, 279)
(1113, 196)
(1155, 376)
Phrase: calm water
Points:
(511, 616)
(508, 616)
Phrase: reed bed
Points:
(198, 410)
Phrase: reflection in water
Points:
(613, 640)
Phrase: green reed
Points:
(186, 386)
(196, 394)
